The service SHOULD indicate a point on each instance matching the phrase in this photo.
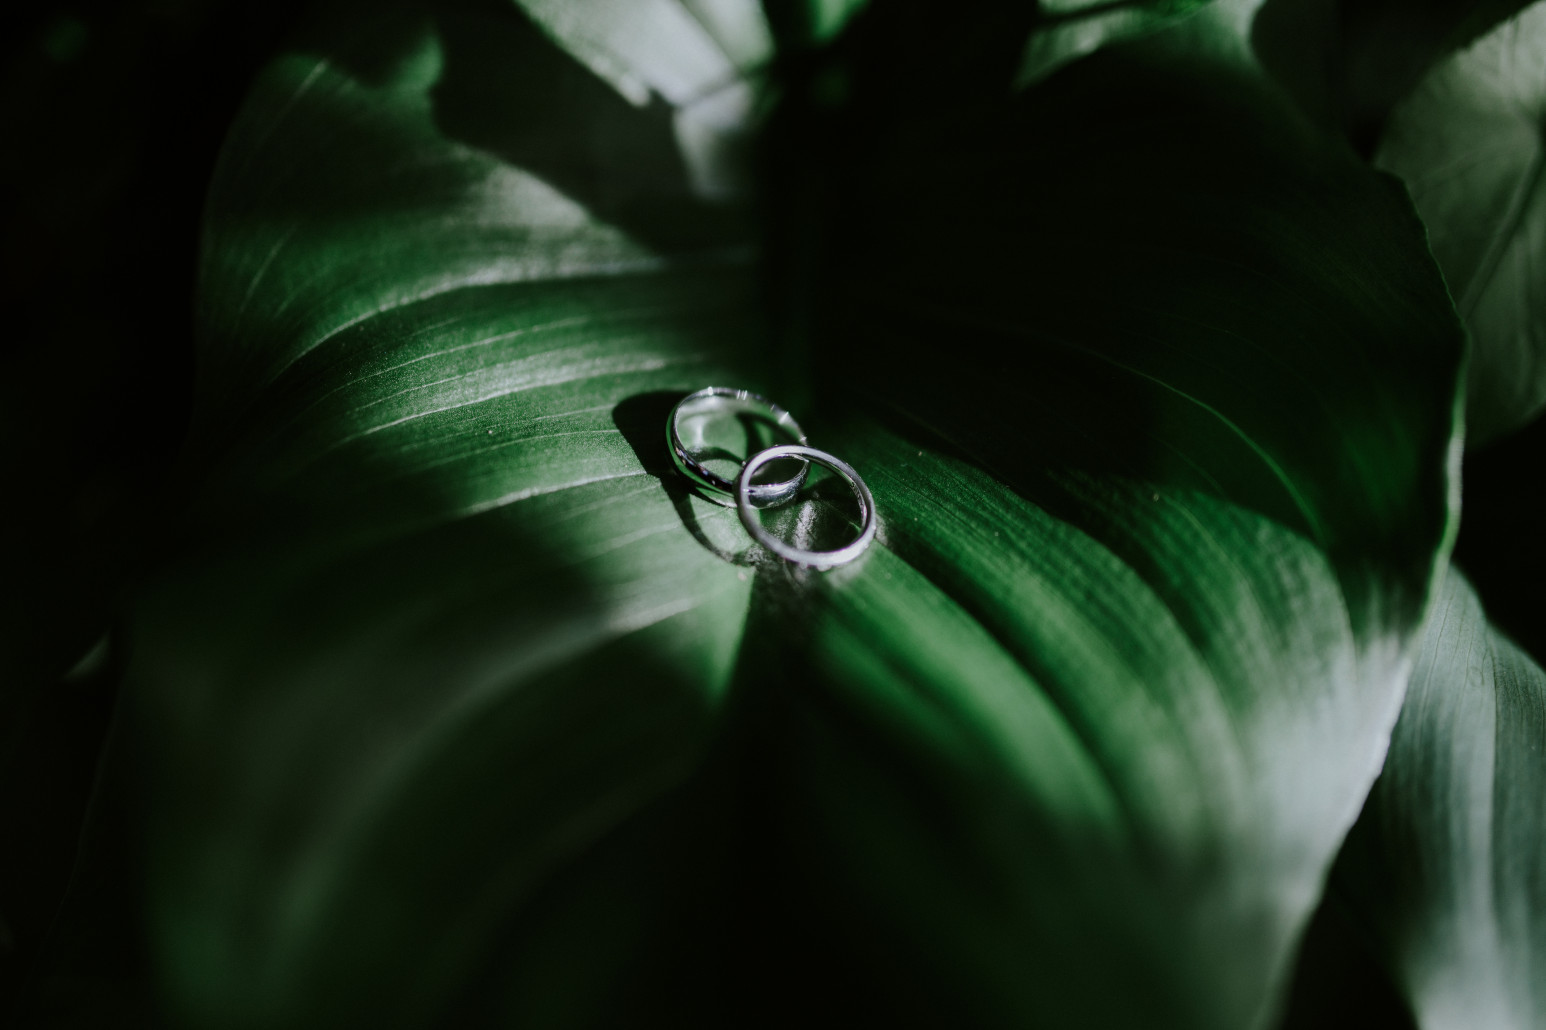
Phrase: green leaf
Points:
(1470, 144)
(812, 23)
(460, 708)
(1348, 63)
(1446, 864)
(1069, 29)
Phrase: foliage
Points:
(453, 705)
(1468, 141)
(1447, 856)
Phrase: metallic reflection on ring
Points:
(785, 550)
(760, 495)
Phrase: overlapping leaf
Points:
(1348, 63)
(1448, 862)
(460, 710)
(1470, 143)
(1067, 30)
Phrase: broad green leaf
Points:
(1470, 144)
(1448, 862)
(460, 708)
(689, 53)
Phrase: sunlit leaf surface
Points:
(1471, 144)
(461, 708)
(1449, 859)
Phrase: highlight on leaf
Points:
(1470, 142)
(1446, 863)
(452, 701)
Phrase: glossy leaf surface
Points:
(1471, 144)
(463, 709)
(1449, 860)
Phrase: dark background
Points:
(112, 115)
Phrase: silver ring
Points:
(787, 551)
(763, 495)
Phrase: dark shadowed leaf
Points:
(1349, 62)
(463, 709)
(1447, 864)
(1340, 982)
(1471, 144)
(1500, 545)
(1067, 30)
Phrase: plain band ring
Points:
(787, 551)
(763, 495)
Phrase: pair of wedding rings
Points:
(749, 495)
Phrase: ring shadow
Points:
(640, 419)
